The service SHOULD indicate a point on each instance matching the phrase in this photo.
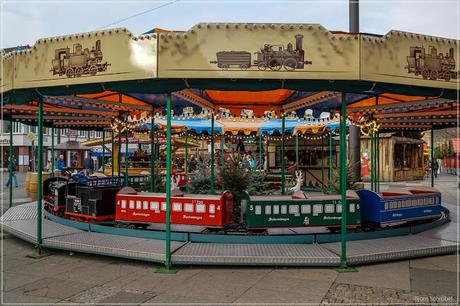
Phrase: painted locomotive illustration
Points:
(78, 62)
(431, 65)
(270, 56)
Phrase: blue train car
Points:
(393, 207)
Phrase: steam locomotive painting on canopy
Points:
(78, 62)
(270, 56)
(431, 65)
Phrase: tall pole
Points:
(260, 151)
(152, 154)
(432, 156)
(168, 182)
(297, 151)
(354, 16)
(113, 153)
(322, 163)
(283, 127)
(222, 148)
(126, 158)
(39, 174)
(103, 151)
(212, 153)
(330, 161)
(10, 179)
(52, 150)
(371, 143)
(378, 162)
(186, 153)
(119, 156)
(343, 180)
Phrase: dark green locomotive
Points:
(285, 211)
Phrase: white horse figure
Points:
(299, 181)
(175, 182)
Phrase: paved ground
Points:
(65, 278)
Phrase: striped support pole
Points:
(343, 180)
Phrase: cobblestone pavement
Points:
(67, 278)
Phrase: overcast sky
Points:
(23, 22)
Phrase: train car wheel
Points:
(131, 226)
(425, 74)
(224, 67)
(275, 64)
(290, 64)
(93, 70)
(78, 72)
(262, 66)
(433, 75)
(244, 67)
(70, 72)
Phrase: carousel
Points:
(279, 188)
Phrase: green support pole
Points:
(39, 174)
(168, 183)
(186, 153)
(343, 180)
(260, 151)
(322, 164)
(52, 150)
(103, 151)
(432, 156)
(11, 164)
(113, 147)
(297, 151)
(283, 127)
(330, 161)
(222, 148)
(212, 153)
(119, 157)
(126, 159)
(152, 155)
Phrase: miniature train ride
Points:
(106, 201)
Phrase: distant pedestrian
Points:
(14, 166)
(60, 164)
(89, 164)
(435, 168)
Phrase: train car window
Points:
(352, 207)
(188, 207)
(258, 210)
(276, 209)
(329, 208)
(200, 208)
(283, 209)
(138, 204)
(145, 205)
(177, 206)
(317, 208)
(437, 200)
(294, 209)
(131, 204)
(123, 204)
(386, 206)
(163, 206)
(305, 209)
(154, 205)
(212, 208)
(338, 208)
(268, 209)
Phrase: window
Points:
(268, 210)
(352, 207)
(138, 204)
(276, 209)
(294, 209)
(305, 209)
(163, 205)
(188, 207)
(386, 206)
(177, 207)
(258, 210)
(338, 208)
(123, 204)
(200, 208)
(329, 208)
(212, 208)
(317, 208)
(283, 209)
(131, 204)
(154, 205)
(146, 205)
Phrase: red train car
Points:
(142, 208)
